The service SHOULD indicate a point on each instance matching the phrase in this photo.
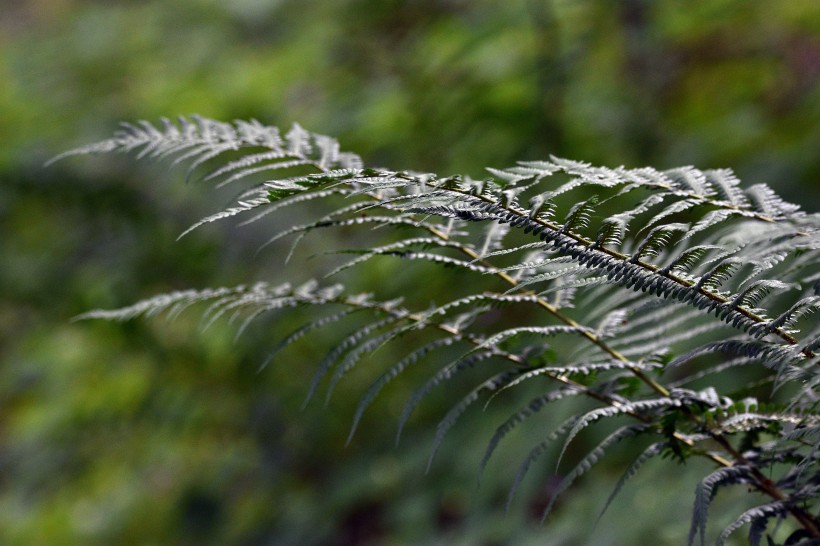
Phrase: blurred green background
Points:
(152, 432)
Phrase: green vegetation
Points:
(146, 432)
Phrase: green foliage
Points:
(627, 298)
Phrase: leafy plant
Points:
(640, 290)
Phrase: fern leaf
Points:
(687, 259)
(349, 342)
(613, 323)
(173, 301)
(690, 180)
(391, 374)
(474, 299)
(576, 368)
(242, 206)
(294, 199)
(494, 236)
(546, 276)
(536, 452)
(755, 292)
(766, 201)
(705, 492)
(632, 407)
(589, 460)
(657, 239)
(619, 281)
(534, 406)
(727, 186)
(397, 248)
(304, 330)
(541, 264)
(546, 331)
(277, 166)
(671, 209)
(611, 233)
(711, 219)
(768, 353)
(758, 514)
(651, 451)
(246, 164)
(442, 375)
(491, 384)
(579, 215)
(356, 354)
(803, 307)
(732, 363)
(664, 341)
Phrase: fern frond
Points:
(750, 420)
(547, 275)
(242, 206)
(536, 452)
(399, 248)
(392, 373)
(493, 239)
(774, 355)
(589, 460)
(545, 331)
(349, 342)
(173, 302)
(358, 353)
(732, 363)
(690, 180)
(757, 516)
(631, 407)
(578, 216)
(674, 208)
(664, 340)
(534, 406)
(651, 451)
(259, 295)
(304, 330)
(478, 299)
(657, 239)
(767, 202)
(578, 368)
(621, 283)
(444, 374)
(727, 186)
(491, 384)
(705, 492)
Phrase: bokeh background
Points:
(152, 432)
